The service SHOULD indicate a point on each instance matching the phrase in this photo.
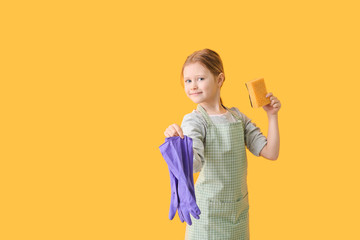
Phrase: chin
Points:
(197, 101)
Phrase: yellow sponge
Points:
(257, 93)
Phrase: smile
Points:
(195, 93)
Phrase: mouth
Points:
(195, 93)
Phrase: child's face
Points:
(198, 79)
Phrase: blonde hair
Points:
(209, 58)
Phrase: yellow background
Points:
(89, 87)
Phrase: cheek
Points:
(204, 86)
(207, 87)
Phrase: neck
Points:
(213, 109)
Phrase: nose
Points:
(193, 85)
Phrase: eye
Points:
(200, 78)
(187, 80)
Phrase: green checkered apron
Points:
(221, 188)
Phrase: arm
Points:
(271, 149)
(193, 127)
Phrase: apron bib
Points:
(221, 188)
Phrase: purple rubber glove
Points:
(174, 203)
(183, 208)
(178, 154)
(187, 204)
(181, 151)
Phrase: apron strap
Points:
(236, 117)
(204, 113)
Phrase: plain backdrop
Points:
(89, 87)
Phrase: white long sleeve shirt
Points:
(194, 126)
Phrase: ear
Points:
(220, 79)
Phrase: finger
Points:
(187, 218)
(168, 132)
(194, 213)
(172, 213)
(180, 215)
(174, 133)
(174, 203)
(178, 130)
(269, 94)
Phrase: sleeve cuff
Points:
(259, 148)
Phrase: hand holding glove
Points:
(178, 154)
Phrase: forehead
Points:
(194, 69)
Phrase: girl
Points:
(220, 135)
